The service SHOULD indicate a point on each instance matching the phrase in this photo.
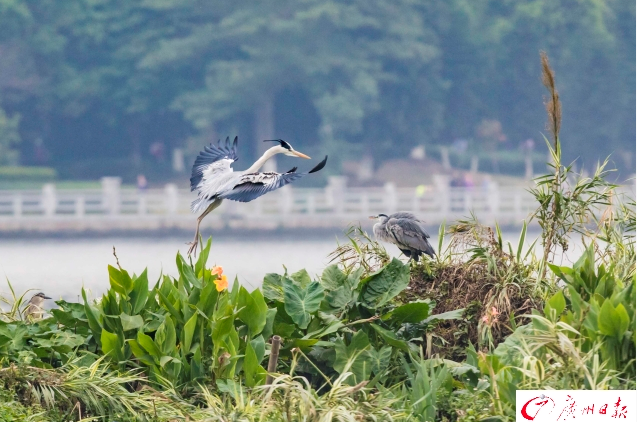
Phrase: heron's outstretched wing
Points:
(211, 155)
(410, 234)
(252, 185)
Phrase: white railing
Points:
(113, 207)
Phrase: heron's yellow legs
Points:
(195, 242)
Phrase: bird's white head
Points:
(285, 148)
(378, 217)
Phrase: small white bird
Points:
(34, 308)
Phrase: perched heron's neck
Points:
(261, 161)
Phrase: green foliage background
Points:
(97, 82)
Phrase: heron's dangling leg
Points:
(195, 242)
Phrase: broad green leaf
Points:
(253, 310)
(379, 359)
(269, 323)
(455, 314)
(139, 294)
(300, 303)
(354, 358)
(187, 273)
(332, 278)
(94, 318)
(140, 353)
(390, 338)
(148, 344)
(231, 387)
(340, 297)
(189, 331)
(612, 321)
(411, 313)
(301, 277)
(131, 322)
(120, 280)
(200, 265)
(166, 338)
(165, 302)
(110, 344)
(251, 367)
(273, 287)
(385, 284)
(557, 303)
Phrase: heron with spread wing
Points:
(406, 231)
(214, 179)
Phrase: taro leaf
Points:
(390, 338)
(258, 344)
(354, 278)
(332, 278)
(282, 329)
(379, 359)
(300, 303)
(455, 314)
(139, 294)
(301, 277)
(269, 323)
(120, 280)
(131, 322)
(273, 287)
(385, 284)
(339, 298)
(231, 387)
(253, 310)
(411, 313)
(355, 355)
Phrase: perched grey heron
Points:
(34, 306)
(214, 179)
(404, 230)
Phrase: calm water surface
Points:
(60, 267)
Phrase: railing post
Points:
(286, 200)
(171, 198)
(493, 195)
(335, 192)
(80, 206)
(17, 204)
(441, 184)
(391, 198)
(111, 194)
(49, 200)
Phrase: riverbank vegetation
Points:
(370, 339)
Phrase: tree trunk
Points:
(264, 128)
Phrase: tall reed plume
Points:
(552, 104)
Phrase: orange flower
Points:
(216, 271)
(222, 283)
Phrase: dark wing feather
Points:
(410, 234)
(209, 155)
(253, 185)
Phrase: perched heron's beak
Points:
(45, 297)
(373, 217)
(298, 154)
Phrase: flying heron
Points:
(214, 179)
(34, 306)
(404, 230)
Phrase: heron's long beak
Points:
(373, 217)
(46, 297)
(301, 155)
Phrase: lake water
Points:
(60, 267)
